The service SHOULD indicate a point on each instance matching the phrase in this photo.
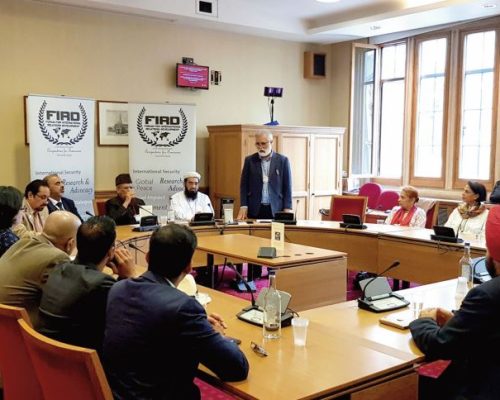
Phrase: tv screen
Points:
(192, 76)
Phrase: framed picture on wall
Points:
(112, 123)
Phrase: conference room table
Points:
(347, 353)
(422, 260)
(313, 276)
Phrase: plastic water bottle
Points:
(170, 211)
(272, 310)
(466, 278)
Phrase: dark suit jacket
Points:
(73, 304)
(280, 184)
(122, 215)
(471, 339)
(68, 204)
(155, 337)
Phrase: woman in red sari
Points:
(407, 213)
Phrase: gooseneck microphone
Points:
(145, 209)
(394, 264)
(89, 213)
(136, 248)
(247, 286)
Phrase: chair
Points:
(387, 200)
(65, 371)
(372, 191)
(19, 378)
(99, 206)
(347, 205)
(432, 214)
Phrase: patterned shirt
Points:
(7, 239)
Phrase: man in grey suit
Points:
(266, 182)
(469, 337)
(24, 268)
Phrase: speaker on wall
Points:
(314, 65)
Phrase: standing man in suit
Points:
(469, 337)
(266, 182)
(125, 206)
(56, 199)
(156, 335)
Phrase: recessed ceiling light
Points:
(327, 1)
(489, 5)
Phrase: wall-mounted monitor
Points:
(192, 76)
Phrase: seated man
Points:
(56, 199)
(36, 197)
(25, 267)
(469, 337)
(73, 304)
(156, 335)
(190, 202)
(10, 214)
(124, 207)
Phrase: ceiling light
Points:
(327, 1)
(489, 5)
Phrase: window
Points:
(392, 110)
(363, 110)
(429, 133)
(476, 109)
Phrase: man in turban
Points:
(469, 337)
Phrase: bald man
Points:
(24, 268)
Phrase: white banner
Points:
(61, 136)
(162, 147)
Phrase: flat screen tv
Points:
(192, 76)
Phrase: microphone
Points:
(145, 209)
(247, 286)
(89, 213)
(384, 301)
(136, 248)
(394, 264)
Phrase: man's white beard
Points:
(265, 153)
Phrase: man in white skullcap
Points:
(190, 201)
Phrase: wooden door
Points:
(326, 172)
(296, 148)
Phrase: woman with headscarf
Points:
(470, 216)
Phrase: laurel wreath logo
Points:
(154, 142)
(55, 140)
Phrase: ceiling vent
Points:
(206, 7)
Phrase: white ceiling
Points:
(304, 20)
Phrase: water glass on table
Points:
(299, 326)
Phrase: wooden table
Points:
(348, 352)
(313, 276)
(373, 249)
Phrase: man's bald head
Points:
(60, 228)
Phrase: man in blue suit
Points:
(266, 182)
(56, 199)
(156, 335)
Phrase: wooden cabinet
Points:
(315, 155)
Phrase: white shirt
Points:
(418, 219)
(474, 225)
(185, 208)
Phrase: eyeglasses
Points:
(43, 197)
(259, 144)
(259, 350)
